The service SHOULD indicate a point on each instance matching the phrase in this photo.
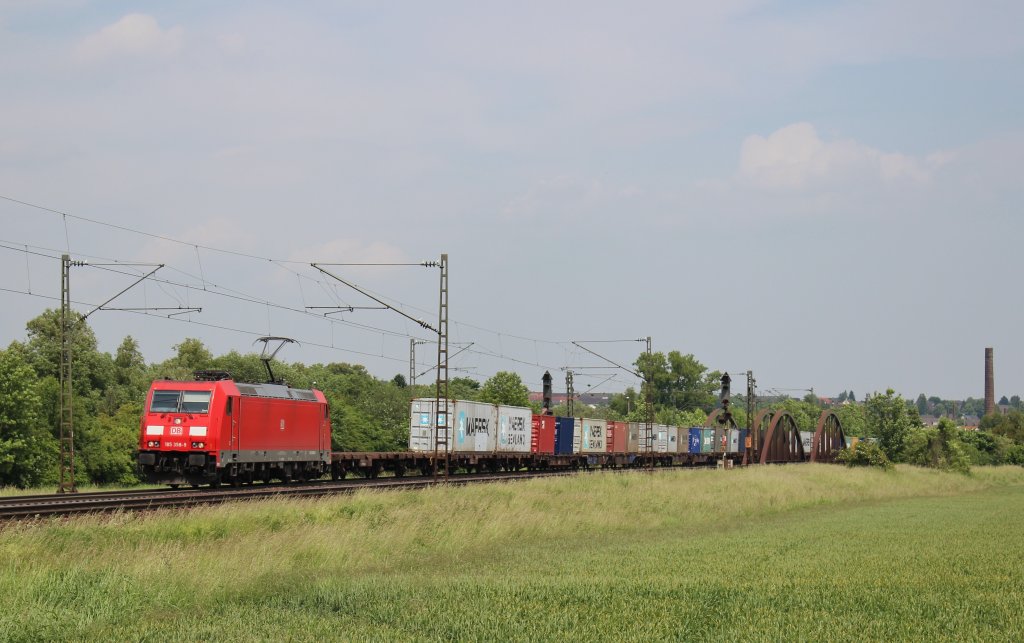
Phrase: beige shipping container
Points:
(515, 424)
(635, 431)
(591, 436)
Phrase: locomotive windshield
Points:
(180, 402)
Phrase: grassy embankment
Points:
(805, 552)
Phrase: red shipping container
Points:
(618, 437)
(542, 438)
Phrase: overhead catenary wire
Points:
(255, 333)
(236, 253)
(287, 264)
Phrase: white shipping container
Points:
(734, 440)
(807, 437)
(422, 422)
(593, 436)
(472, 425)
(661, 438)
(475, 427)
(515, 425)
(673, 439)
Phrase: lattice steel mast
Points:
(442, 420)
(67, 424)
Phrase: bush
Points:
(864, 454)
(941, 448)
(1015, 454)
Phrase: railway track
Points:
(39, 506)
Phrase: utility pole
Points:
(68, 325)
(649, 425)
(442, 419)
(569, 394)
(751, 410)
(412, 359)
(67, 424)
(649, 400)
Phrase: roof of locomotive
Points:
(276, 391)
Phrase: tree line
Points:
(370, 414)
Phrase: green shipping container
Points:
(707, 440)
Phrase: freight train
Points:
(215, 430)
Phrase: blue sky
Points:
(828, 194)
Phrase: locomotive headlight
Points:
(153, 444)
(198, 445)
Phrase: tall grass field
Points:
(806, 552)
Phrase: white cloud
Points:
(133, 35)
(795, 157)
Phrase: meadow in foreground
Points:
(804, 552)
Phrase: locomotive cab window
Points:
(180, 402)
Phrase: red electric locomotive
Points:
(215, 430)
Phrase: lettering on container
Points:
(478, 426)
(517, 428)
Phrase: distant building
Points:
(590, 399)
(970, 422)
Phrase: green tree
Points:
(864, 454)
(26, 447)
(92, 371)
(922, 404)
(1010, 425)
(130, 378)
(679, 381)
(887, 419)
(938, 447)
(108, 454)
(243, 368)
(461, 388)
(505, 387)
(804, 412)
(851, 418)
(973, 406)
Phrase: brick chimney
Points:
(990, 385)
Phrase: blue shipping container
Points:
(563, 435)
(694, 441)
(743, 439)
